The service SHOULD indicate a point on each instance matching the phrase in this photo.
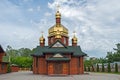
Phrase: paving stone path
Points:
(27, 75)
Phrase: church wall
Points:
(81, 65)
(34, 65)
(48, 55)
(74, 65)
(65, 68)
(3, 68)
(67, 55)
(50, 68)
(42, 65)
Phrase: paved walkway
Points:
(29, 76)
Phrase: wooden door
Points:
(57, 68)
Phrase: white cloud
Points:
(38, 8)
(18, 37)
(31, 9)
(48, 14)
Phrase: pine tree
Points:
(116, 67)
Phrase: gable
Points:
(1, 50)
(58, 44)
(57, 55)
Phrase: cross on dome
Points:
(58, 7)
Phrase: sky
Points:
(96, 22)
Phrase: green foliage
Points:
(21, 57)
(103, 69)
(97, 68)
(23, 62)
(116, 67)
(91, 62)
(109, 67)
(114, 56)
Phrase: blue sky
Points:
(96, 22)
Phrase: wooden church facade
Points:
(58, 57)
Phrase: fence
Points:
(95, 68)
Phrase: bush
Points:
(116, 67)
(103, 69)
(109, 68)
(97, 68)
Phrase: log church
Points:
(58, 58)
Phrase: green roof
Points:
(75, 50)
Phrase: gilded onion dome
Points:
(42, 39)
(58, 30)
(74, 39)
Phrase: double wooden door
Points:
(58, 68)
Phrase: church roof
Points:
(1, 49)
(75, 50)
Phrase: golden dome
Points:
(42, 39)
(74, 39)
(58, 30)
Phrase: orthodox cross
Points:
(74, 32)
(58, 7)
(42, 33)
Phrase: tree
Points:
(103, 69)
(26, 52)
(116, 67)
(109, 67)
(114, 56)
(21, 57)
(110, 57)
(97, 68)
